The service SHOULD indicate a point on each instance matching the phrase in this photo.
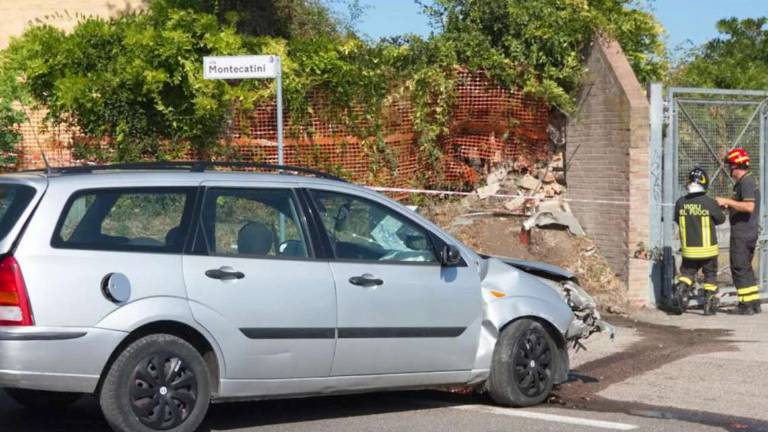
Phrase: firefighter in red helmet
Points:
(744, 209)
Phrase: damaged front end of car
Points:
(587, 319)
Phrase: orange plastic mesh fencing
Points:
(489, 125)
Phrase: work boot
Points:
(756, 307)
(710, 307)
(745, 309)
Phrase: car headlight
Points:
(577, 298)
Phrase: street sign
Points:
(250, 67)
(241, 67)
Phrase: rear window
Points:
(141, 220)
(14, 199)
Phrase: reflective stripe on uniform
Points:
(706, 234)
(701, 251)
(709, 287)
(748, 294)
(685, 280)
(682, 232)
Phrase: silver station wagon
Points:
(162, 287)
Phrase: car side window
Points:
(253, 222)
(126, 219)
(360, 229)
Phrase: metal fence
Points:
(702, 126)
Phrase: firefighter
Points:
(696, 215)
(744, 209)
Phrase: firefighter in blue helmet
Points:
(696, 215)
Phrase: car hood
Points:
(537, 268)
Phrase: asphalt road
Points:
(689, 373)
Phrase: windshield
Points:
(14, 199)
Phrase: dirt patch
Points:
(485, 226)
(659, 346)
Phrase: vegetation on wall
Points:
(11, 116)
(541, 44)
(136, 79)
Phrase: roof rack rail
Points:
(192, 166)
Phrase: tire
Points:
(158, 383)
(38, 399)
(524, 361)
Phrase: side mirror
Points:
(450, 256)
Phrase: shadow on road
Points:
(86, 416)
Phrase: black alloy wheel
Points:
(525, 364)
(532, 365)
(163, 391)
(159, 382)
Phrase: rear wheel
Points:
(524, 361)
(159, 383)
(37, 399)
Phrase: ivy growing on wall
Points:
(136, 79)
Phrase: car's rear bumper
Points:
(55, 359)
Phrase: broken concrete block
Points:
(559, 217)
(528, 182)
(486, 191)
(515, 204)
(549, 177)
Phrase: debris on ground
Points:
(530, 227)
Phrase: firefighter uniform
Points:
(744, 228)
(696, 215)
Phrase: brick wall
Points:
(607, 150)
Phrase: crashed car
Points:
(160, 288)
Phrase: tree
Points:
(541, 44)
(11, 116)
(736, 59)
(277, 18)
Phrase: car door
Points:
(254, 281)
(399, 310)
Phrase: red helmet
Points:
(737, 156)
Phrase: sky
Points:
(684, 20)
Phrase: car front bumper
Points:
(63, 359)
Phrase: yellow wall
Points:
(17, 15)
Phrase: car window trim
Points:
(199, 247)
(57, 242)
(322, 231)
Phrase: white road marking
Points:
(546, 417)
(513, 412)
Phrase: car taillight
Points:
(14, 303)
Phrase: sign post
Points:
(250, 67)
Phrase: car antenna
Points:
(37, 140)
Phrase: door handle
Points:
(365, 280)
(224, 273)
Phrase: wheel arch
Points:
(181, 330)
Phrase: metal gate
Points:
(702, 126)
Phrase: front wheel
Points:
(38, 399)
(524, 361)
(159, 383)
